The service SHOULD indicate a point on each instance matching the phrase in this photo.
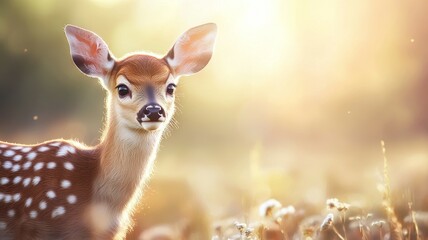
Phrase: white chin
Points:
(150, 126)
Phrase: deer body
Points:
(64, 190)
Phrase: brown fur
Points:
(140, 69)
(118, 170)
(107, 180)
(21, 226)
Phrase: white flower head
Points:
(267, 208)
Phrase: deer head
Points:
(141, 87)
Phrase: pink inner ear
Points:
(92, 45)
(88, 47)
(89, 52)
(193, 50)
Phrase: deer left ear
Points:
(89, 52)
(193, 50)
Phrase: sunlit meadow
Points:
(293, 106)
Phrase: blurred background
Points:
(293, 105)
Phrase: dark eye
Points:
(171, 89)
(123, 91)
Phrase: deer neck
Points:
(126, 161)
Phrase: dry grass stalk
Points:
(328, 223)
(414, 223)
(394, 224)
(342, 208)
(379, 224)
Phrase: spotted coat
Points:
(39, 187)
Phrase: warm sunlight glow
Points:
(292, 105)
(108, 3)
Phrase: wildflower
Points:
(284, 212)
(378, 223)
(249, 232)
(267, 208)
(342, 206)
(308, 232)
(356, 218)
(327, 222)
(241, 227)
(332, 203)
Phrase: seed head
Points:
(249, 232)
(342, 206)
(356, 218)
(378, 224)
(328, 222)
(241, 227)
(332, 203)
(267, 208)
(284, 212)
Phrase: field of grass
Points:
(275, 220)
(291, 107)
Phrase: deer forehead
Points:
(140, 70)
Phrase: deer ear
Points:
(193, 50)
(89, 52)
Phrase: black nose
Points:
(152, 112)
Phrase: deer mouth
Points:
(146, 118)
(151, 125)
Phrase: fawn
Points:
(61, 189)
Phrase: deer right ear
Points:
(193, 50)
(89, 52)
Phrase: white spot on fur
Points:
(51, 194)
(3, 146)
(16, 197)
(33, 214)
(7, 198)
(17, 148)
(42, 205)
(26, 149)
(68, 166)
(72, 199)
(55, 144)
(26, 165)
(36, 180)
(7, 165)
(17, 158)
(65, 184)
(31, 156)
(11, 213)
(26, 182)
(4, 180)
(38, 166)
(51, 165)
(43, 149)
(64, 150)
(28, 202)
(16, 168)
(17, 179)
(58, 211)
(9, 153)
(3, 225)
